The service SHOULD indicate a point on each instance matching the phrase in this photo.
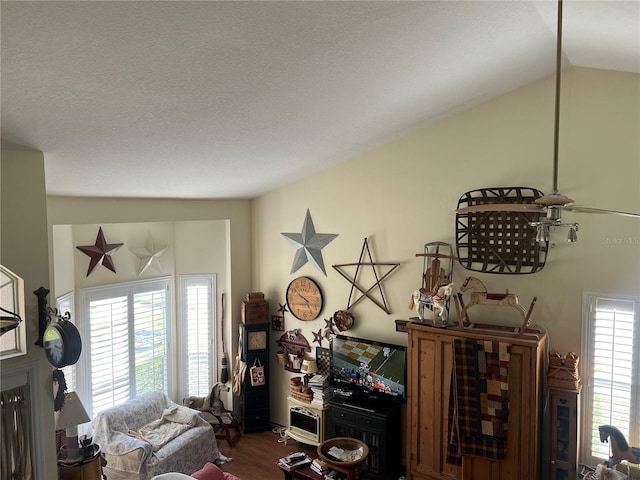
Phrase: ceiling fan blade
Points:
(579, 209)
(502, 207)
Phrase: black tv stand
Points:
(362, 401)
(375, 421)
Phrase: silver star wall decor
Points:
(149, 255)
(309, 245)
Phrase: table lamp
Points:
(309, 367)
(69, 417)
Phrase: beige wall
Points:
(404, 194)
(202, 237)
(191, 247)
(23, 249)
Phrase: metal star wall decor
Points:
(309, 245)
(317, 337)
(283, 308)
(149, 255)
(354, 280)
(328, 322)
(100, 253)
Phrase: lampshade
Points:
(72, 413)
(68, 418)
(309, 366)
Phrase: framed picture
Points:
(277, 323)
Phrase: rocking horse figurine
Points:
(620, 449)
(479, 296)
(436, 299)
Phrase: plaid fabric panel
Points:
(479, 400)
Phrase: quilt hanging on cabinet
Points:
(479, 400)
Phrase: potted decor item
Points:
(282, 357)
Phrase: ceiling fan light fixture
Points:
(572, 237)
(542, 233)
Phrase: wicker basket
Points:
(302, 397)
(563, 371)
(563, 379)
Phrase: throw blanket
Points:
(174, 421)
(479, 400)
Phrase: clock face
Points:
(304, 298)
(257, 340)
(62, 343)
(54, 346)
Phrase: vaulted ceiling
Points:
(216, 99)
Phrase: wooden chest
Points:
(255, 312)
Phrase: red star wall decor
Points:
(100, 253)
(317, 337)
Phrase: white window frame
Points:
(66, 303)
(185, 282)
(14, 342)
(86, 295)
(588, 331)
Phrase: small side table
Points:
(89, 468)
(302, 473)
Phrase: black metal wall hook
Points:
(43, 317)
(45, 313)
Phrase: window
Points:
(125, 341)
(65, 304)
(13, 342)
(611, 384)
(196, 316)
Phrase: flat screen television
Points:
(369, 371)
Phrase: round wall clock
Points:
(62, 344)
(304, 298)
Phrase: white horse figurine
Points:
(437, 299)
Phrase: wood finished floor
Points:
(256, 454)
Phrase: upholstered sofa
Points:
(150, 435)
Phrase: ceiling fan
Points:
(553, 204)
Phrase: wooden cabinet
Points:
(565, 421)
(255, 399)
(379, 428)
(430, 376)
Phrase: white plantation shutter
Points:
(109, 343)
(150, 323)
(126, 341)
(197, 293)
(611, 396)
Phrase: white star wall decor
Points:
(149, 255)
(309, 245)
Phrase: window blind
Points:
(197, 324)
(612, 386)
(127, 350)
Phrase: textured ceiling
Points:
(213, 99)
